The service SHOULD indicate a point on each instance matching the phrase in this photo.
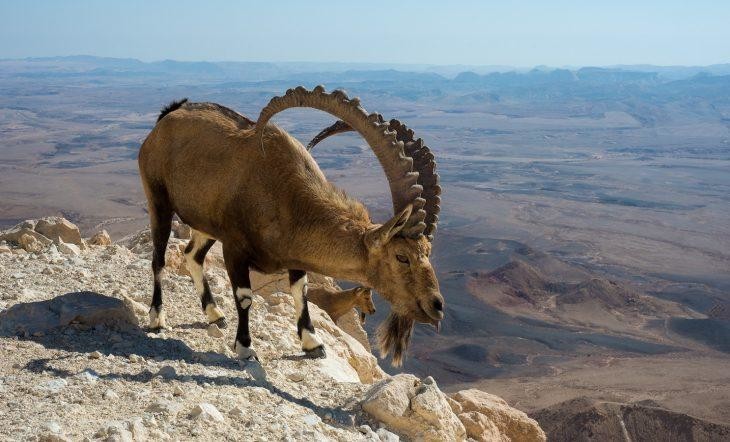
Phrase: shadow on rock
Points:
(85, 322)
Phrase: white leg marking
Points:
(298, 290)
(244, 352)
(196, 272)
(158, 319)
(310, 341)
(195, 269)
(213, 313)
(243, 296)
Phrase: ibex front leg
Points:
(311, 344)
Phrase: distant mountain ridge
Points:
(260, 69)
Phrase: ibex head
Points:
(364, 302)
(401, 271)
(397, 263)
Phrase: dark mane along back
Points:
(239, 120)
(173, 106)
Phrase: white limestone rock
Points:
(207, 412)
(69, 249)
(413, 408)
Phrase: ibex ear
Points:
(383, 234)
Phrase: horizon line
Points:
(370, 63)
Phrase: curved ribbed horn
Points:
(337, 128)
(397, 166)
(426, 219)
(425, 164)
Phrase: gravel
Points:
(114, 382)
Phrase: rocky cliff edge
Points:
(78, 363)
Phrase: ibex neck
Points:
(337, 250)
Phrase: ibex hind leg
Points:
(160, 226)
(237, 267)
(311, 344)
(195, 252)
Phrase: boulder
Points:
(487, 417)
(59, 229)
(87, 308)
(68, 248)
(101, 239)
(30, 244)
(480, 428)
(14, 234)
(415, 409)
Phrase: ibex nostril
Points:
(438, 305)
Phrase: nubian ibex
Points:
(338, 303)
(257, 190)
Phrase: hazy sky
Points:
(518, 33)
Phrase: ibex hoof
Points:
(245, 353)
(316, 353)
(247, 360)
(220, 322)
(158, 320)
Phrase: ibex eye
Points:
(401, 258)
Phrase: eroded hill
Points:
(523, 289)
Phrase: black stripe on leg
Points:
(158, 263)
(240, 280)
(200, 254)
(157, 295)
(242, 333)
(304, 321)
(207, 297)
(189, 248)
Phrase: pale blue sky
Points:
(517, 33)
